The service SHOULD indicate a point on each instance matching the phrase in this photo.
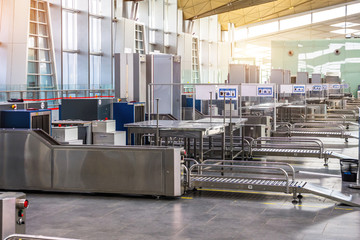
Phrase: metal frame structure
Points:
(314, 129)
(41, 163)
(257, 176)
(291, 147)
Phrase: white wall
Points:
(184, 50)
(169, 38)
(14, 29)
(214, 55)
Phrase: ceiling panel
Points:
(243, 12)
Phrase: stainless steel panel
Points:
(7, 221)
(316, 78)
(103, 126)
(254, 74)
(125, 170)
(10, 221)
(63, 134)
(110, 138)
(302, 78)
(29, 161)
(25, 161)
(237, 73)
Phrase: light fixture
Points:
(345, 24)
(345, 31)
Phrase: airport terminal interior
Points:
(179, 119)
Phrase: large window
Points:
(69, 70)
(139, 39)
(195, 68)
(95, 43)
(69, 44)
(95, 7)
(70, 4)
(69, 30)
(95, 71)
(314, 16)
(40, 65)
(95, 35)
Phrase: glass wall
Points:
(320, 56)
(69, 44)
(40, 74)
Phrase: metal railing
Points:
(288, 143)
(53, 97)
(225, 166)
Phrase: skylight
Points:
(295, 22)
(345, 31)
(353, 9)
(328, 14)
(302, 20)
(263, 29)
(345, 24)
(240, 33)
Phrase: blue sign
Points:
(228, 93)
(336, 86)
(299, 89)
(265, 91)
(317, 88)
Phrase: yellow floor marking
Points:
(269, 203)
(346, 209)
(301, 205)
(238, 191)
(186, 198)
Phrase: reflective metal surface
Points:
(12, 213)
(30, 161)
(33, 237)
(25, 160)
(150, 171)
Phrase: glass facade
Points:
(320, 56)
(40, 66)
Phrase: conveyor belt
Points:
(297, 153)
(263, 182)
(322, 134)
(272, 186)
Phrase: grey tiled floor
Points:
(203, 214)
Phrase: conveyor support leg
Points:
(326, 161)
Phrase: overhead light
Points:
(326, 15)
(295, 22)
(353, 8)
(291, 8)
(263, 29)
(345, 24)
(345, 31)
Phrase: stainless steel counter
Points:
(193, 129)
(178, 129)
(30, 161)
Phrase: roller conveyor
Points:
(305, 133)
(314, 129)
(292, 147)
(298, 153)
(266, 182)
(200, 181)
(272, 186)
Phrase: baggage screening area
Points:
(179, 119)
